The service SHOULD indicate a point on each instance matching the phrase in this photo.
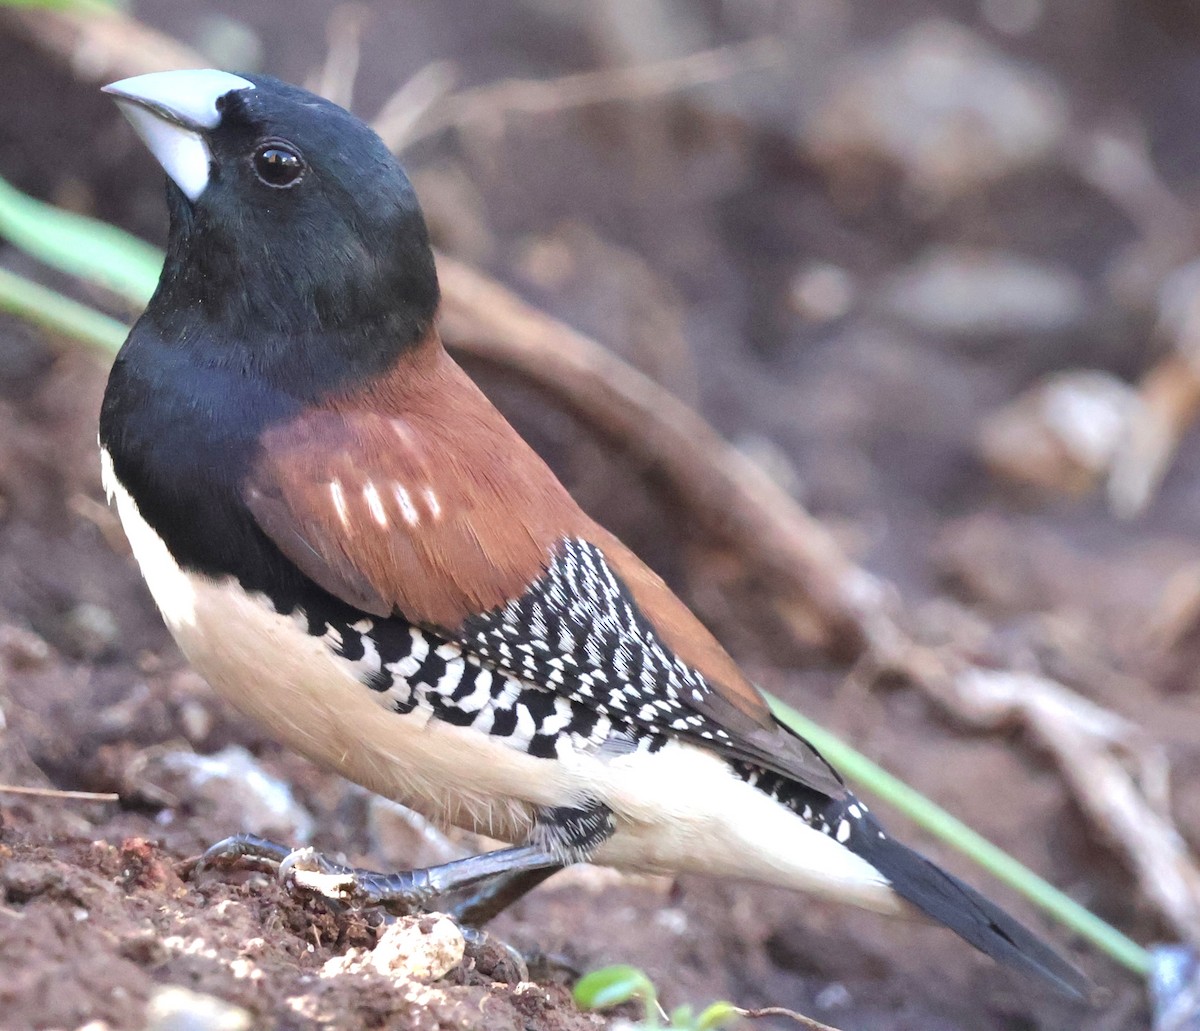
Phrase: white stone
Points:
(423, 949)
(965, 292)
(946, 107)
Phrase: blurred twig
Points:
(779, 1011)
(1156, 272)
(1116, 162)
(343, 36)
(1116, 771)
(100, 43)
(399, 119)
(492, 104)
(1169, 403)
(80, 796)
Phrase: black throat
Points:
(221, 354)
(311, 311)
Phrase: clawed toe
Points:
(504, 962)
(306, 871)
(241, 851)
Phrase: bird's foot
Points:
(471, 891)
(307, 873)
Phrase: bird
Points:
(354, 547)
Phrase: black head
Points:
(290, 219)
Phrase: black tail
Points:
(961, 908)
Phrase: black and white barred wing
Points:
(579, 630)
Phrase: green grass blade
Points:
(80, 246)
(66, 5)
(857, 767)
(51, 310)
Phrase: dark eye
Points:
(278, 164)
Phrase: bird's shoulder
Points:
(410, 494)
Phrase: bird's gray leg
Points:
(407, 891)
(491, 897)
(488, 882)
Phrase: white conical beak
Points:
(171, 112)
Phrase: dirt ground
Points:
(721, 240)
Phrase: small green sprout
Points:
(611, 986)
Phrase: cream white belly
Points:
(678, 809)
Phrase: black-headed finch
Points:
(356, 549)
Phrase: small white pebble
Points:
(673, 920)
(179, 1009)
(822, 292)
(833, 996)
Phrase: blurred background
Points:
(929, 264)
